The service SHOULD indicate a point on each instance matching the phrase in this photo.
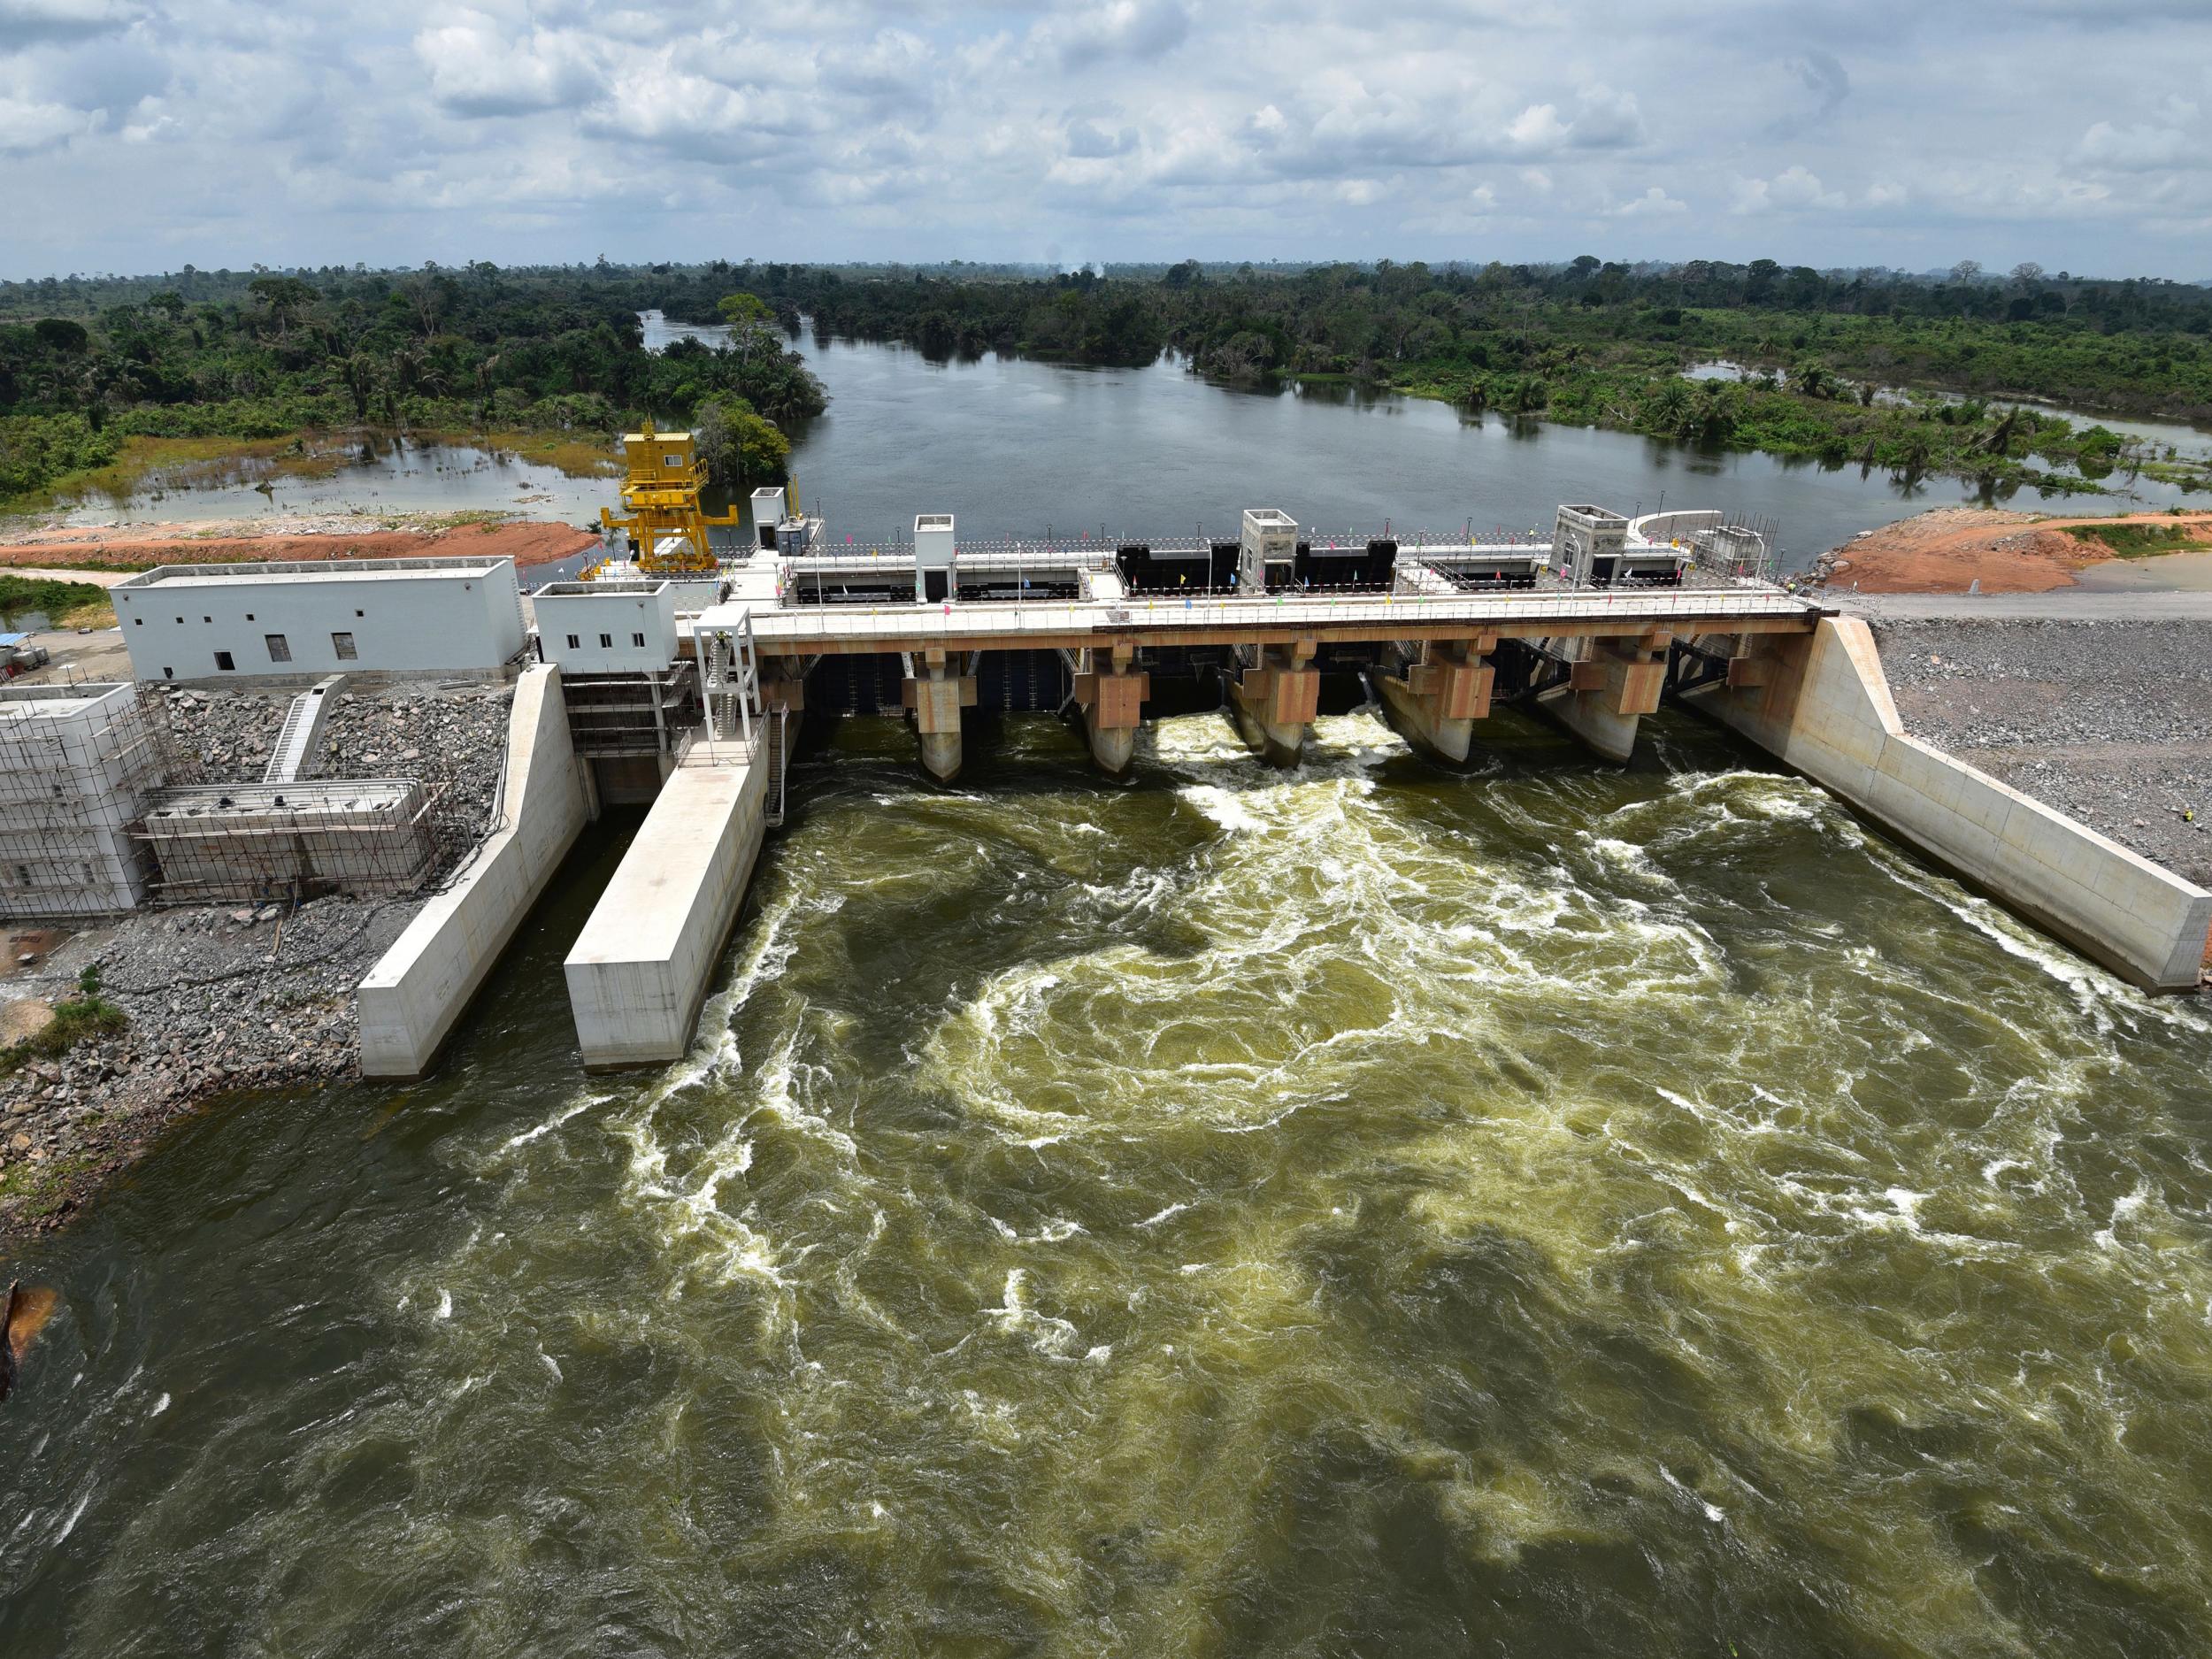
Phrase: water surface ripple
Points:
(1548, 1210)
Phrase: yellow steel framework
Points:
(660, 497)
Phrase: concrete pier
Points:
(935, 695)
(416, 994)
(1444, 690)
(638, 971)
(1275, 698)
(1111, 696)
(1820, 702)
(1614, 683)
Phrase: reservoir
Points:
(1548, 1209)
(1016, 448)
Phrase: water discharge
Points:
(1547, 1210)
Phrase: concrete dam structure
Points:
(678, 680)
(1592, 631)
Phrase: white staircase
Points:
(778, 757)
(294, 755)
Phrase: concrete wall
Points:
(1825, 708)
(639, 627)
(445, 616)
(638, 971)
(1674, 526)
(416, 994)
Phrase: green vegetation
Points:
(88, 366)
(2145, 540)
(1592, 343)
(95, 374)
(87, 1014)
(68, 604)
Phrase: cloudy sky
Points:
(140, 134)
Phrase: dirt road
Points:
(527, 542)
(1949, 549)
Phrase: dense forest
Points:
(87, 364)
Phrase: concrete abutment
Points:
(935, 695)
(1274, 694)
(1820, 702)
(1112, 695)
(1443, 688)
(1612, 684)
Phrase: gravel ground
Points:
(2109, 722)
(228, 998)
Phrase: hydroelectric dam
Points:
(678, 676)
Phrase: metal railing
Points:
(1012, 618)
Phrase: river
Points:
(1016, 448)
(1548, 1210)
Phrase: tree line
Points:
(88, 364)
(1818, 356)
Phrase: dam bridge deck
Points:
(1273, 619)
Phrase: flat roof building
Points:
(305, 620)
(608, 626)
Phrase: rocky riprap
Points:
(2109, 722)
(232, 997)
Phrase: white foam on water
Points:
(1054, 1338)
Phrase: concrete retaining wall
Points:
(412, 998)
(639, 973)
(1825, 709)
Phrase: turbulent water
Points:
(1548, 1210)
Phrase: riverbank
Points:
(1950, 550)
(225, 998)
(130, 547)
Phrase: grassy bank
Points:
(66, 604)
(2145, 540)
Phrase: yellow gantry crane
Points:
(660, 494)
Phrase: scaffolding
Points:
(77, 762)
(217, 835)
(223, 843)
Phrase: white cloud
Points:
(26, 127)
(1794, 190)
(1129, 29)
(551, 129)
(2136, 147)
(1653, 203)
(477, 68)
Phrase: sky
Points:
(141, 135)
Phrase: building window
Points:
(279, 648)
(606, 642)
(342, 644)
(573, 643)
(223, 661)
(638, 639)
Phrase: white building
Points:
(610, 626)
(77, 763)
(427, 615)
